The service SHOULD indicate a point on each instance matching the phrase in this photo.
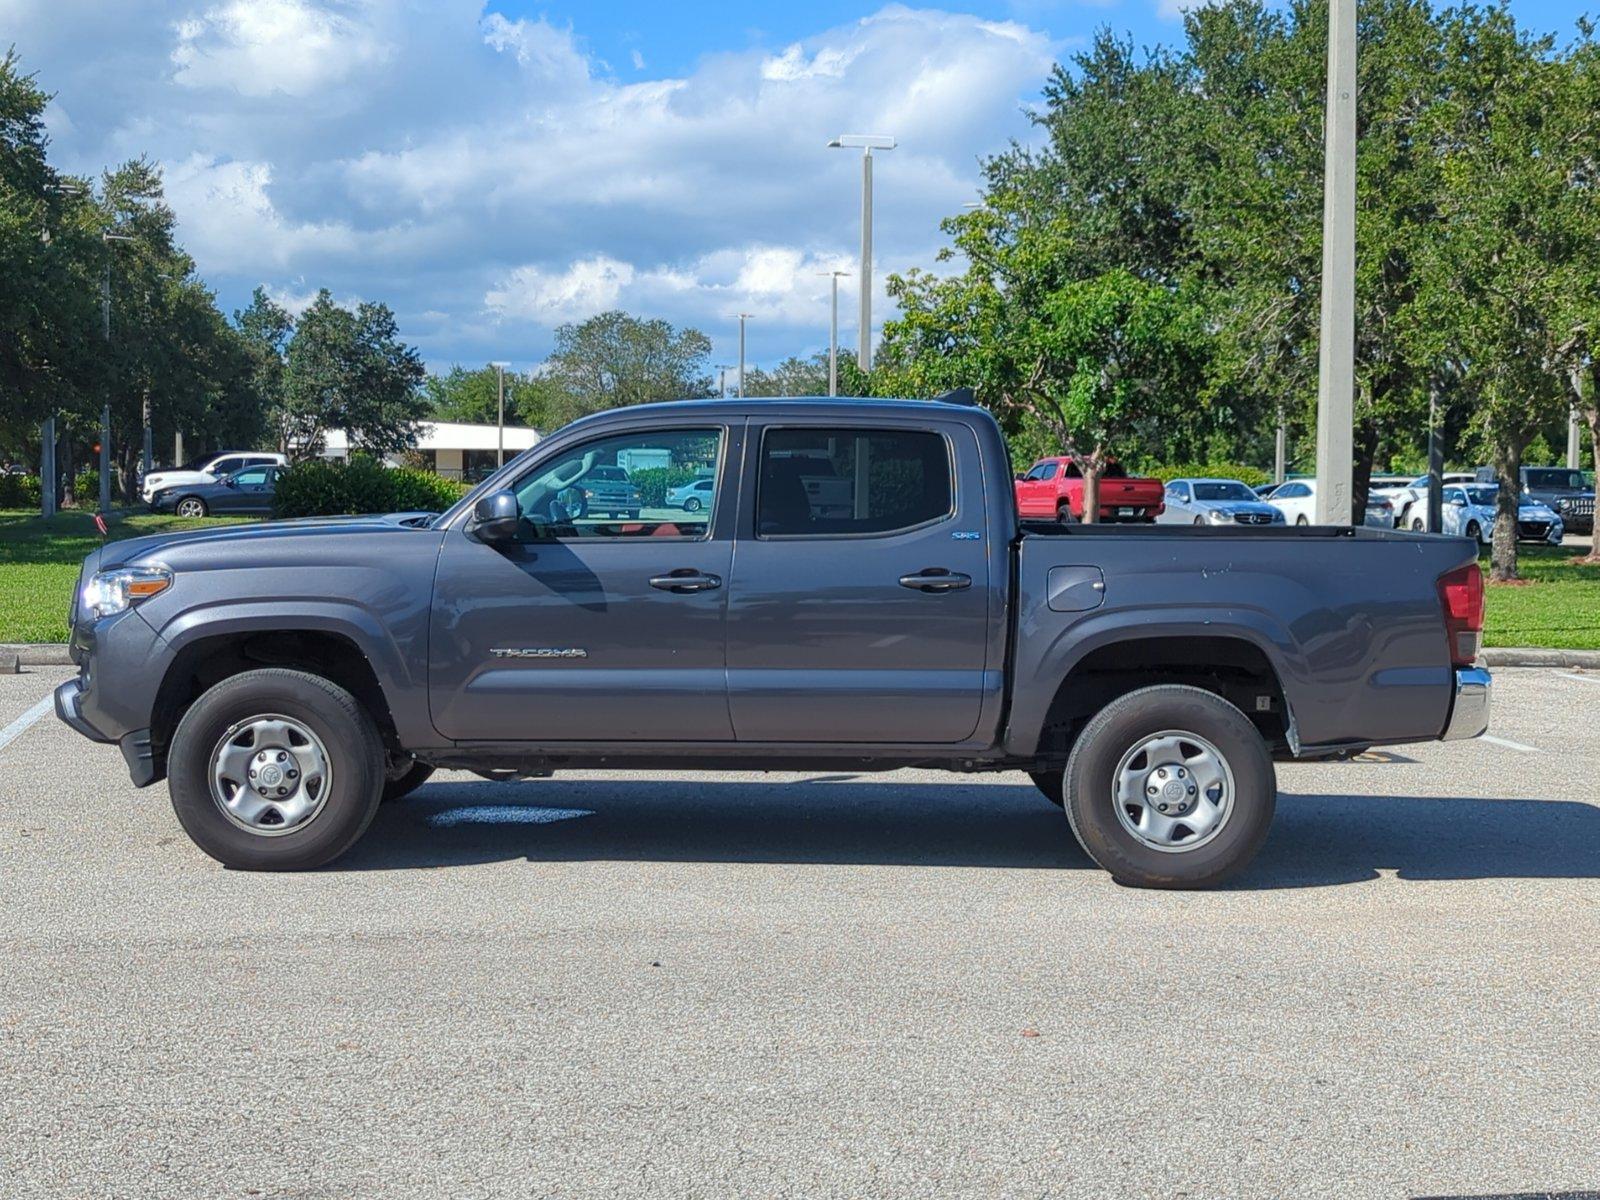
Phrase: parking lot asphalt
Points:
(629, 984)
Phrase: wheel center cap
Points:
(270, 776)
(1173, 792)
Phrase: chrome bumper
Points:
(1469, 712)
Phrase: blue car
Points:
(244, 493)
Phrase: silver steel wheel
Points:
(270, 775)
(1173, 791)
(191, 508)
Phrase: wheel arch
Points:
(1237, 665)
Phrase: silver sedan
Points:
(1216, 502)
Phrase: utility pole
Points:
(1280, 450)
(867, 143)
(105, 411)
(1336, 352)
(833, 333)
(722, 379)
(1574, 444)
(47, 468)
(500, 420)
(1435, 460)
(743, 317)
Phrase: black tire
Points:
(1064, 513)
(1417, 524)
(408, 781)
(192, 503)
(1117, 729)
(1475, 532)
(354, 751)
(1199, 521)
(692, 504)
(1050, 783)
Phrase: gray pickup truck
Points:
(859, 595)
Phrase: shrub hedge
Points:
(1250, 476)
(653, 483)
(19, 491)
(327, 489)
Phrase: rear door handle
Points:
(936, 579)
(685, 580)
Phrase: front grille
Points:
(1253, 518)
(1533, 529)
(1576, 506)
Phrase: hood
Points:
(229, 539)
(1235, 507)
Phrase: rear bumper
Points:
(1469, 710)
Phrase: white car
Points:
(1411, 499)
(691, 497)
(1297, 501)
(210, 469)
(1469, 512)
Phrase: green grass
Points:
(1559, 609)
(39, 560)
(39, 563)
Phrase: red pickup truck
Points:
(1053, 489)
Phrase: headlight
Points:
(1217, 517)
(114, 591)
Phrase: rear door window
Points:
(846, 481)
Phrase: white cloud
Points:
(258, 47)
(490, 179)
(638, 60)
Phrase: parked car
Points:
(1296, 499)
(608, 491)
(1410, 501)
(1564, 489)
(1216, 502)
(209, 469)
(248, 493)
(1052, 489)
(693, 496)
(285, 679)
(1469, 511)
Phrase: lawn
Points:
(39, 563)
(1559, 609)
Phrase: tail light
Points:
(1461, 595)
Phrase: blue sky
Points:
(493, 170)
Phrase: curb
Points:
(1530, 656)
(32, 654)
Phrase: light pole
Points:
(743, 317)
(722, 379)
(500, 445)
(867, 143)
(833, 333)
(1336, 352)
(1574, 444)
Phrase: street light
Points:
(743, 317)
(500, 446)
(833, 333)
(866, 143)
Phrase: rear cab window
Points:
(843, 481)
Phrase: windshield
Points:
(1549, 477)
(1483, 497)
(1224, 490)
(616, 473)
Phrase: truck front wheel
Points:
(1170, 787)
(275, 770)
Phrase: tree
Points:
(472, 396)
(347, 369)
(614, 359)
(791, 377)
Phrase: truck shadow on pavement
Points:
(1317, 840)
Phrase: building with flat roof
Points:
(452, 449)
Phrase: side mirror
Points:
(230, 481)
(496, 517)
(1019, 478)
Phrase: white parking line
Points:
(1509, 744)
(1579, 678)
(16, 729)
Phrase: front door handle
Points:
(936, 579)
(685, 580)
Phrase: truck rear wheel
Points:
(1170, 787)
(275, 770)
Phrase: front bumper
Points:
(135, 745)
(1469, 710)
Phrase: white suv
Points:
(208, 470)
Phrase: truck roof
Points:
(843, 406)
